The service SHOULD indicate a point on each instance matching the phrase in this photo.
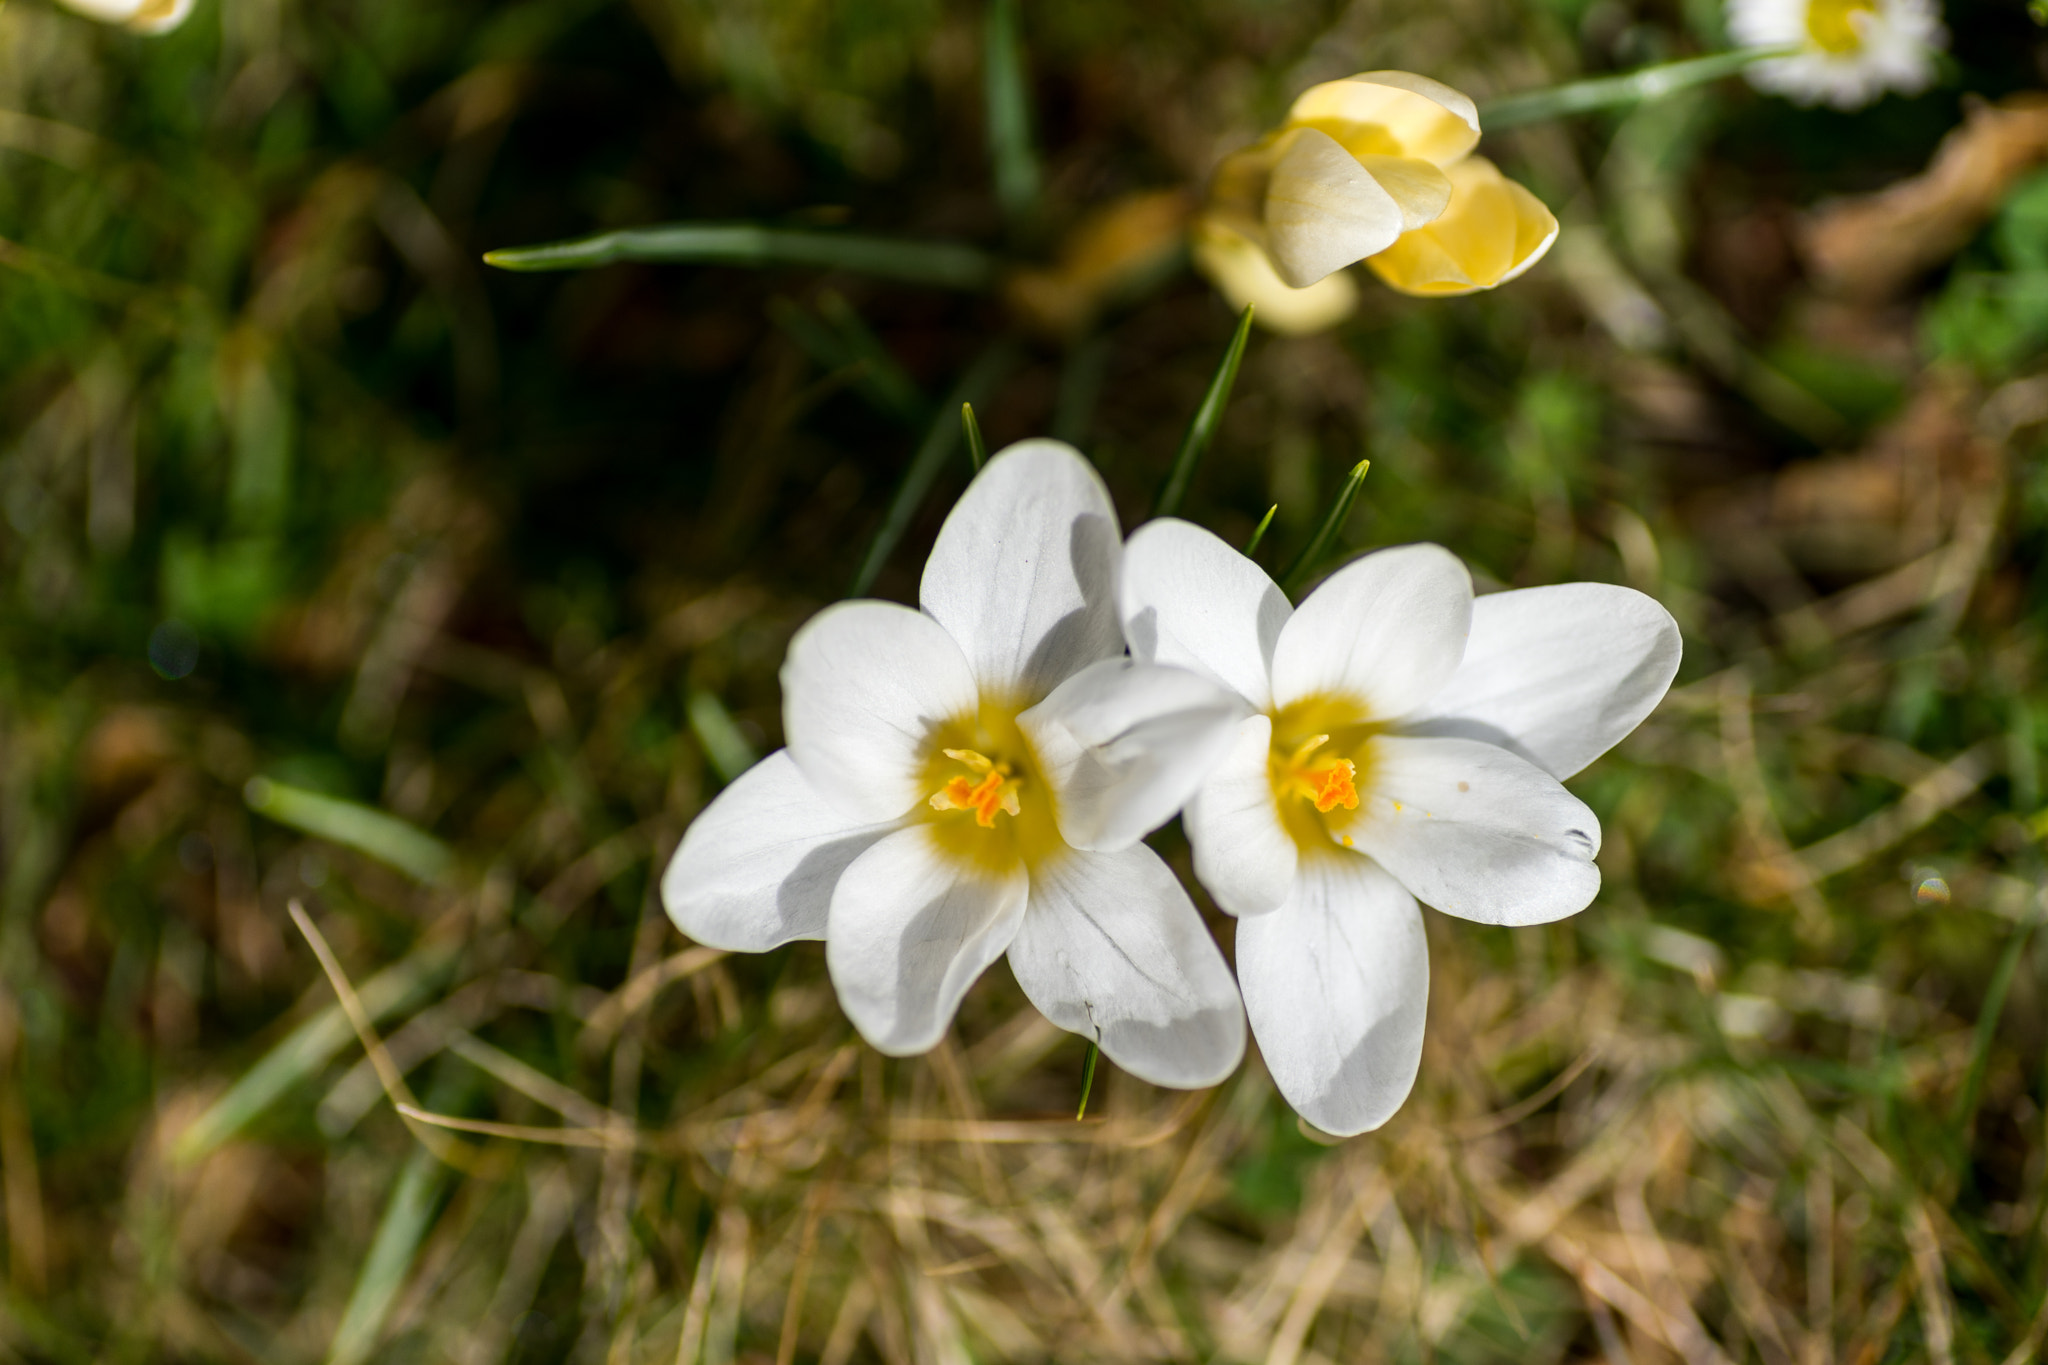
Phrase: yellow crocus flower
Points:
(1377, 167)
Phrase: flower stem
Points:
(1202, 430)
(1087, 1079)
(1326, 534)
(1612, 92)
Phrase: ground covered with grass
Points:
(342, 572)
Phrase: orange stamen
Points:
(1334, 786)
(995, 792)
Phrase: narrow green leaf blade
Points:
(1614, 92)
(1202, 430)
(310, 1046)
(947, 265)
(408, 1214)
(1009, 110)
(1318, 547)
(1088, 1079)
(930, 458)
(977, 451)
(729, 751)
(386, 838)
(1251, 547)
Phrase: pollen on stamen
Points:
(1335, 786)
(995, 792)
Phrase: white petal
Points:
(757, 866)
(863, 689)
(1477, 832)
(1337, 987)
(1024, 572)
(1123, 745)
(1558, 675)
(1242, 853)
(1112, 949)
(909, 931)
(1191, 599)
(1387, 630)
(1324, 210)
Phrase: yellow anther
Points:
(996, 791)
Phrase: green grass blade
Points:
(977, 450)
(1251, 547)
(1087, 1080)
(407, 1217)
(1010, 152)
(730, 752)
(947, 265)
(1202, 430)
(1986, 1031)
(854, 351)
(386, 838)
(882, 376)
(938, 443)
(1614, 92)
(309, 1047)
(1313, 553)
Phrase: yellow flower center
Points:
(982, 768)
(1830, 24)
(1320, 749)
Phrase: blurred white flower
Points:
(1407, 742)
(144, 16)
(974, 779)
(1377, 167)
(1850, 51)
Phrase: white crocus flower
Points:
(1406, 742)
(144, 16)
(1850, 51)
(974, 779)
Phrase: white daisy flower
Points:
(1407, 742)
(144, 16)
(1850, 51)
(974, 779)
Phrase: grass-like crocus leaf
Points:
(408, 1214)
(1202, 430)
(946, 265)
(1009, 109)
(310, 1046)
(1087, 1080)
(386, 838)
(729, 751)
(1251, 547)
(1319, 544)
(977, 451)
(1615, 92)
(938, 443)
